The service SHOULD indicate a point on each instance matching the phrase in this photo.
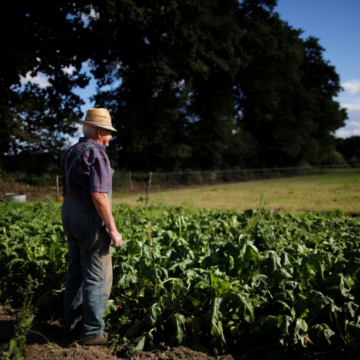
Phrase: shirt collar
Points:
(90, 141)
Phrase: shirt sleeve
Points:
(100, 171)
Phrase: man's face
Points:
(105, 136)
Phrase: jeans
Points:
(89, 276)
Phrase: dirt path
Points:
(45, 341)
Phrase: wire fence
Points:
(50, 187)
(170, 180)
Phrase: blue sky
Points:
(337, 26)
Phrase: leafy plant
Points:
(24, 320)
(207, 279)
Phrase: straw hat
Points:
(98, 118)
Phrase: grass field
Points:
(329, 191)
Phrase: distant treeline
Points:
(347, 155)
(201, 85)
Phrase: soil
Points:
(45, 341)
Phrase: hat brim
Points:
(99, 125)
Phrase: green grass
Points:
(329, 191)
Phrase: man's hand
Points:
(116, 238)
(102, 206)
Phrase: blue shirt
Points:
(90, 173)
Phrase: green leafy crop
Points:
(256, 283)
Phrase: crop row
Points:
(256, 283)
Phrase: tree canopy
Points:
(190, 84)
(40, 38)
(349, 148)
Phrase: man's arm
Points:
(102, 207)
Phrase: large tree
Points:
(286, 93)
(349, 148)
(40, 38)
(199, 84)
(176, 62)
(214, 84)
(167, 56)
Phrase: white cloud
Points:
(94, 14)
(351, 128)
(352, 106)
(352, 125)
(40, 79)
(345, 133)
(352, 86)
(74, 139)
(68, 70)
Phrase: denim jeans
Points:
(89, 276)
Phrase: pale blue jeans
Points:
(89, 275)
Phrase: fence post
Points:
(57, 188)
(130, 182)
(199, 177)
(148, 188)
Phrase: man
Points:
(89, 227)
